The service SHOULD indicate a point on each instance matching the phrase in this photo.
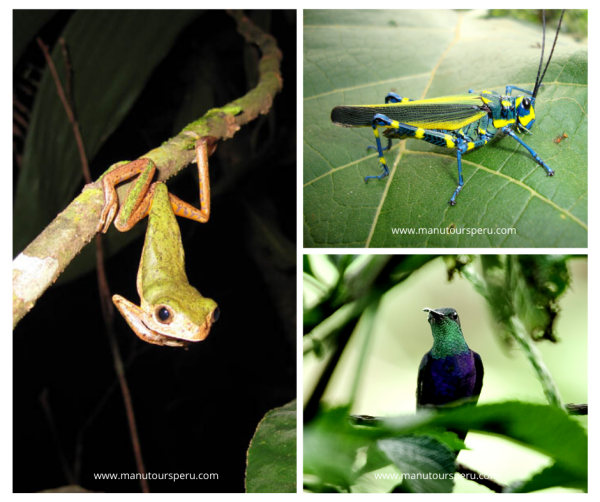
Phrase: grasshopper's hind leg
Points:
(459, 140)
(380, 120)
(392, 97)
(387, 148)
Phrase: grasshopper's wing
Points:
(450, 112)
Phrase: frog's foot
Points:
(206, 146)
(107, 216)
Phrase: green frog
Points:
(171, 311)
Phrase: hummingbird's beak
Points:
(434, 315)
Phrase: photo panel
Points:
(433, 128)
(445, 373)
(160, 355)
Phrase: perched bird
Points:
(450, 372)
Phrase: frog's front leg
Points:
(135, 316)
(138, 198)
(205, 147)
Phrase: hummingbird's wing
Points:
(478, 374)
(424, 372)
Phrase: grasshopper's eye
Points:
(526, 103)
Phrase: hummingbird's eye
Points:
(454, 316)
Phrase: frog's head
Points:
(177, 324)
(170, 321)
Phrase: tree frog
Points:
(171, 311)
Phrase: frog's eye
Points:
(164, 314)
(216, 314)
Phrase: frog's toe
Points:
(106, 218)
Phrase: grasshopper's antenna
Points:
(537, 79)
(539, 83)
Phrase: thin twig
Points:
(577, 409)
(519, 333)
(78, 138)
(68, 72)
(61, 454)
(312, 406)
(478, 478)
(104, 289)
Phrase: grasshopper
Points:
(462, 122)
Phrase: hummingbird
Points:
(450, 373)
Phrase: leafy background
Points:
(357, 57)
(376, 370)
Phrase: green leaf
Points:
(539, 281)
(357, 57)
(548, 478)
(272, 453)
(330, 447)
(528, 286)
(543, 428)
(428, 465)
(26, 24)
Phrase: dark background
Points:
(196, 410)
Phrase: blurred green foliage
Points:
(575, 21)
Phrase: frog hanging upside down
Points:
(171, 311)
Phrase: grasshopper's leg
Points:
(447, 139)
(392, 97)
(380, 120)
(459, 151)
(510, 88)
(507, 130)
(387, 148)
(462, 147)
(439, 138)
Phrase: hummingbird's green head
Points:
(447, 334)
(440, 317)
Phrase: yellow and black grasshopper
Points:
(462, 122)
